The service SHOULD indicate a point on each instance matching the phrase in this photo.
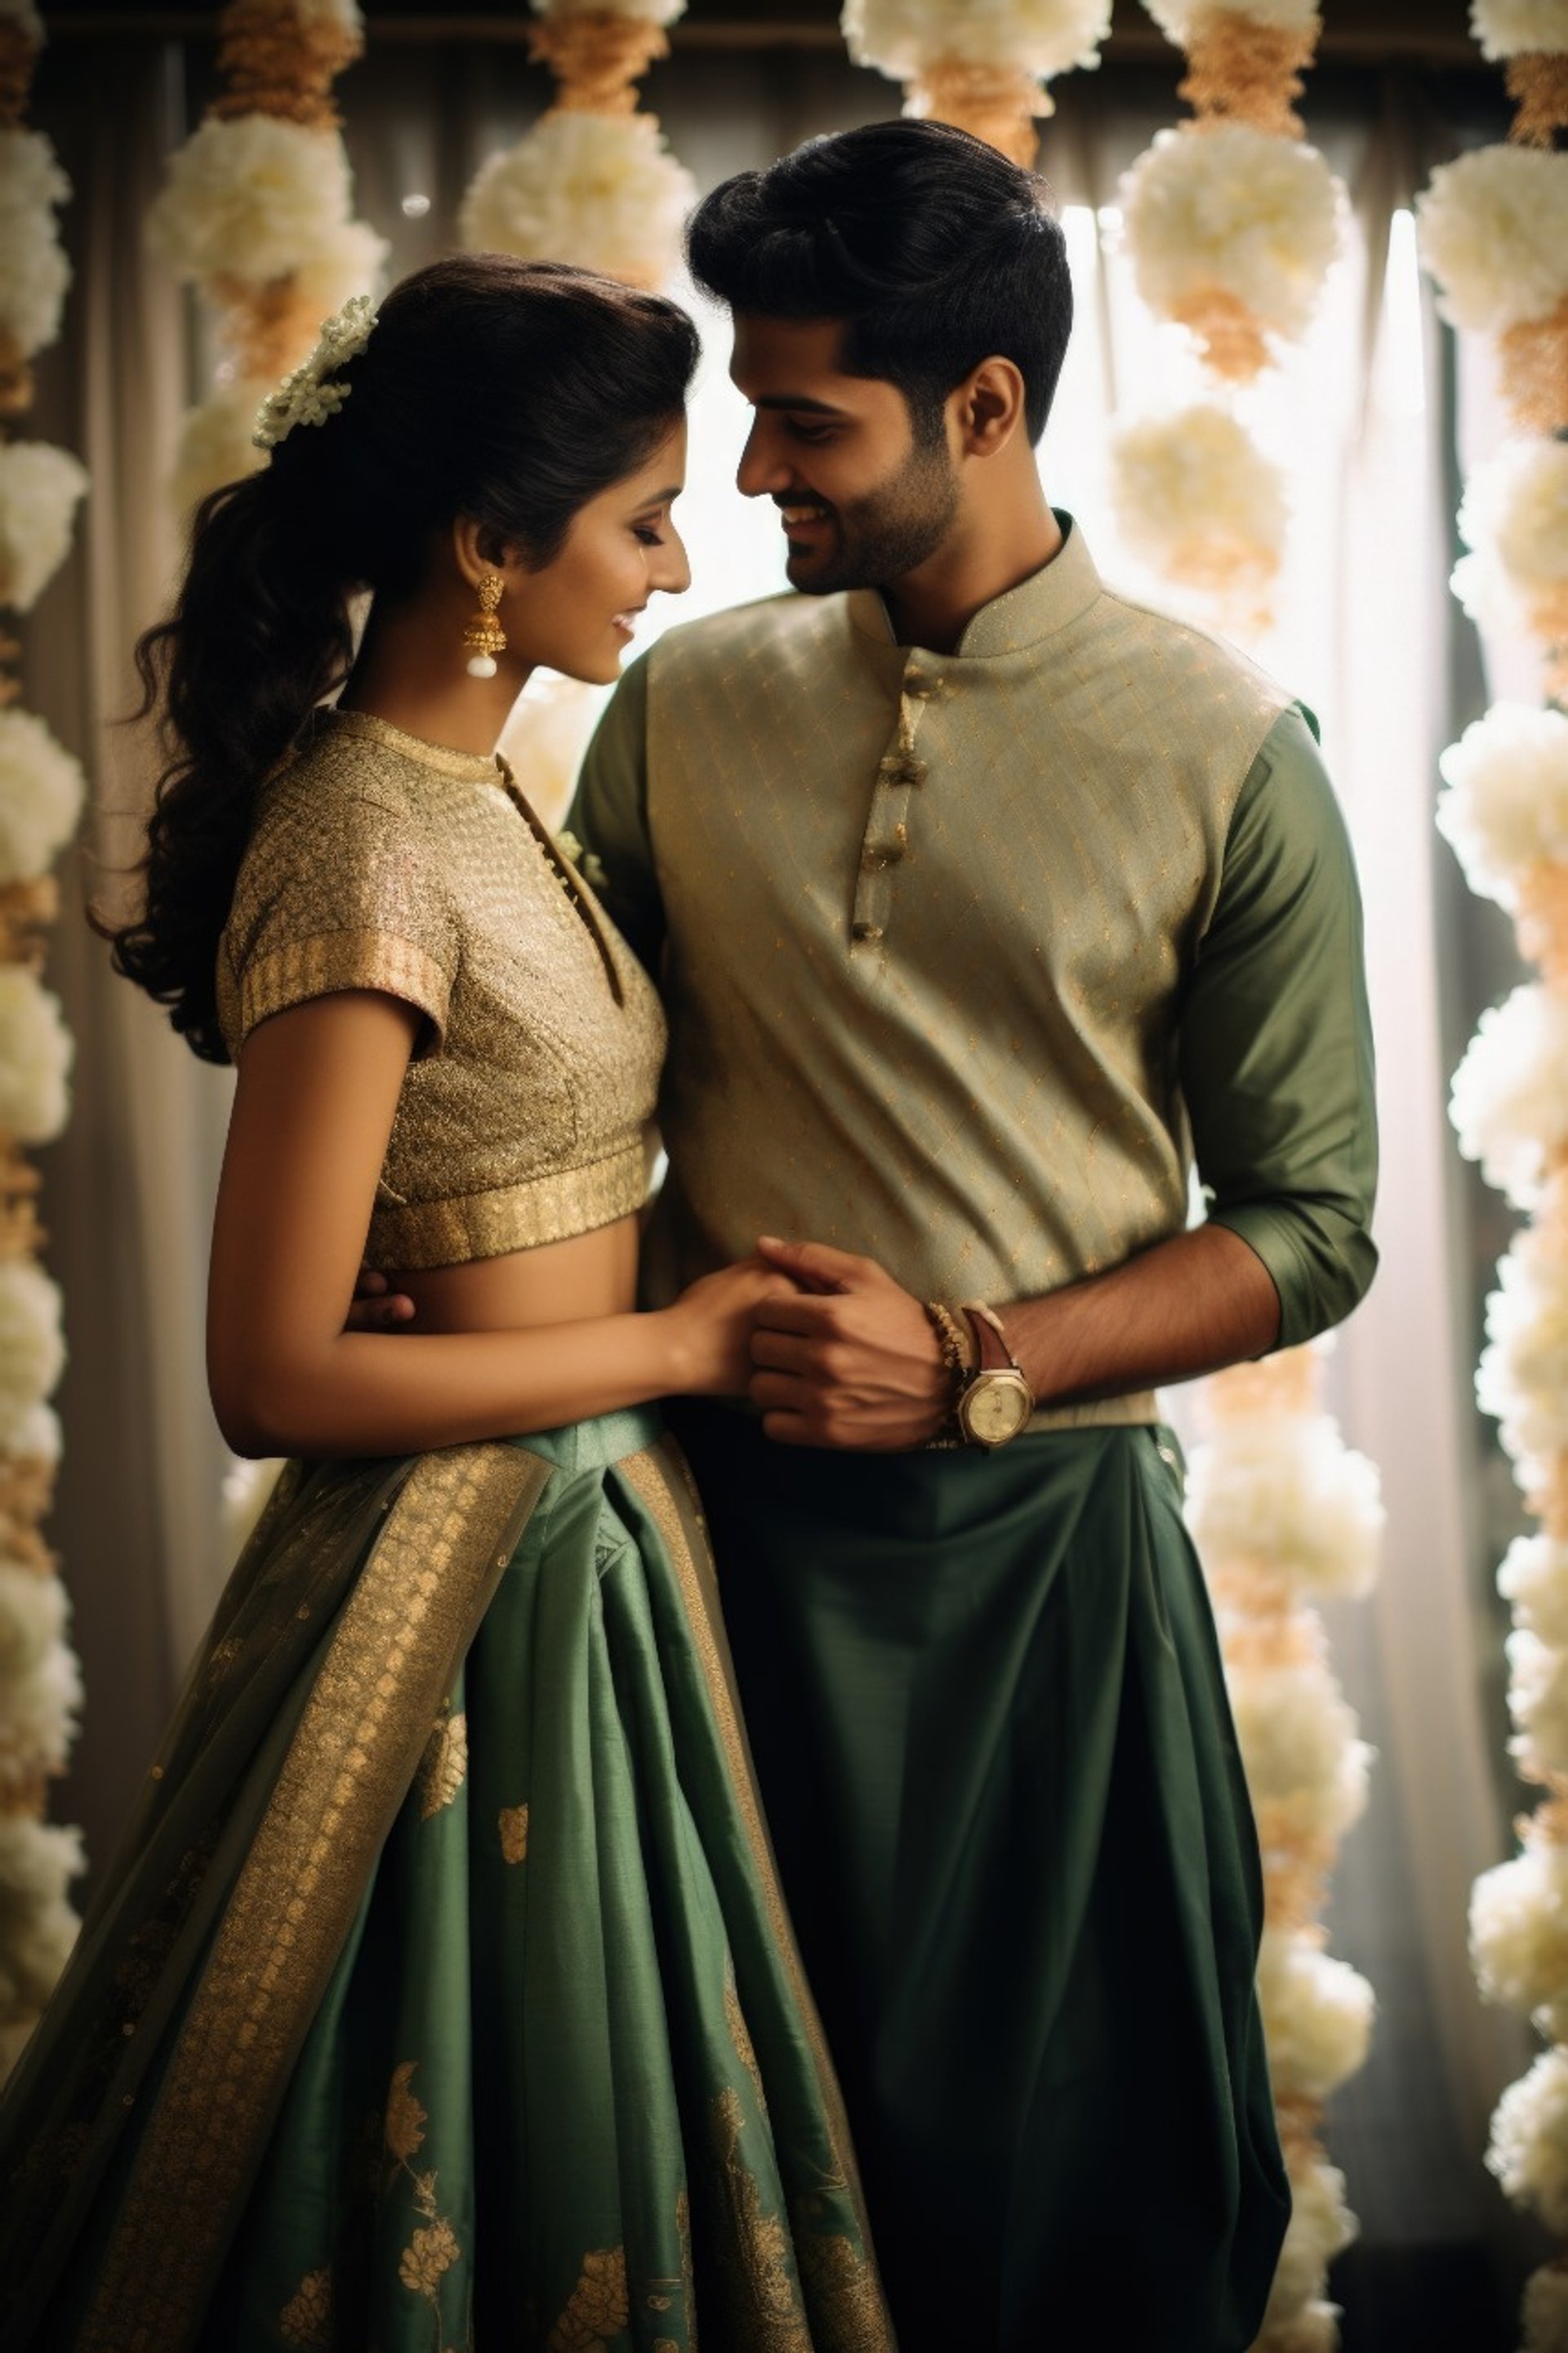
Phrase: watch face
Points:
(996, 1408)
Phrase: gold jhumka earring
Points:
(484, 636)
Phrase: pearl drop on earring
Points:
(484, 633)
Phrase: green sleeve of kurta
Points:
(609, 817)
(1276, 1041)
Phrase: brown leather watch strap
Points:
(994, 1353)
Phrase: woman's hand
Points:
(376, 1306)
(710, 1327)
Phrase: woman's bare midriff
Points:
(560, 1283)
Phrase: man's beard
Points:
(885, 535)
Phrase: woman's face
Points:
(579, 613)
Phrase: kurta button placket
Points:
(899, 774)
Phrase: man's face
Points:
(862, 500)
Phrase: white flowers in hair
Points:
(904, 39)
(34, 271)
(39, 489)
(309, 395)
(32, 1350)
(602, 191)
(36, 1051)
(1510, 1099)
(1528, 2152)
(1518, 1936)
(1194, 494)
(42, 789)
(1493, 230)
(1180, 20)
(1235, 211)
(252, 199)
(1507, 28)
(1506, 808)
(1285, 1489)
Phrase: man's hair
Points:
(934, 249)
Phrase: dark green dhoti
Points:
(985, 1701)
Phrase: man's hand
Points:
(376, 1306)
(851, 1362)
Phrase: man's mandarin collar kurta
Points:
(967, 956)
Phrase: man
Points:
(979, 898)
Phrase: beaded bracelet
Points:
(955, 1364)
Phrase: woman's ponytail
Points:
(259, 635)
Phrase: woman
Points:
(441, 1995)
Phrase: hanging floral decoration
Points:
(41, 793)
(1284, 1515)
(258, 215)
(1198, 502)
(1493, 230)
(1514, 520)
(1232, 223)
(983, 68)
(594, 182)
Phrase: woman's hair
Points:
(934, 249)
(505, 391)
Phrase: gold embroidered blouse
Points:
(382, 862)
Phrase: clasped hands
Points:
(842, 1356)
(848, 1360)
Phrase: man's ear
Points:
(990, 406)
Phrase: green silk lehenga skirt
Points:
(442, 1995)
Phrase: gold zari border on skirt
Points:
(413, 1610)
(863, 2313)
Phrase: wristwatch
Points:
(996, 1401)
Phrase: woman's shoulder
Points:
(336, 782)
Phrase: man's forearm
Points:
(1188, 1306)
(854, 1362)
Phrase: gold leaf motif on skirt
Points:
(307, 2317)
(406, 2119)
(842, 2284)
(428, 2254)
(598, 2307)
(444, 1766)
(514, 1820)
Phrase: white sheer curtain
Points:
(1358, 415)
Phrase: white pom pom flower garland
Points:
(257, 213)
(1280, 1510)
(41, 793)
(1232, 224)
(594, 182)
(982, 65)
